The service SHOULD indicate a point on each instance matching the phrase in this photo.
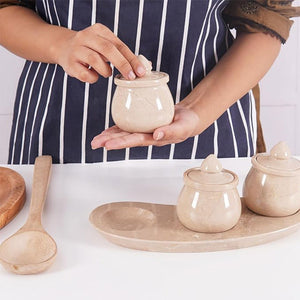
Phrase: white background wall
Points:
(280, 95)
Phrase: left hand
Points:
(186, 123)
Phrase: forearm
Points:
(240, 69)
(25, 34)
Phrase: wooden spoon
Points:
(31, 250)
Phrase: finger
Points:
(83, 73)
(175, 132)
(109, 50)
(104, 58)
(100, 140)
(135, 63)
(95, 61)
(131, 140)
(106, 48)
(110, 130)
(85, 64)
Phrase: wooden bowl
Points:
(12, 195)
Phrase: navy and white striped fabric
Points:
(58, 115)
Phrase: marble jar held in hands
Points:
(209, 201)
(143, 104)
(272, 186)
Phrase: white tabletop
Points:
(90, 267)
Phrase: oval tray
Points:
(12, 195)
(155, 227)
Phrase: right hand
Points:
(186, 123)
(86, 54)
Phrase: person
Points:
(74, 48)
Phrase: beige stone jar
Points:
(272, 186)
(143, 104)
(209, 200)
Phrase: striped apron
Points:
(58, 115)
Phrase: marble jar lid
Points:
(210, 176)
(278, 162)
(151, 78)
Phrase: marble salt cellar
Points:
(209, 201)
(143, 104)
(272, 186)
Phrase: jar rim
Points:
(159, 78)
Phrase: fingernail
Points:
(140, 70)
(159, 136)
(131, 75)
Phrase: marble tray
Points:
(155, 227)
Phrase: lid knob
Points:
(147, 63)
(281, 151)
(211, 164)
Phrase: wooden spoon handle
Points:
(41, 176)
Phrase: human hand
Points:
(185, 124)
(86, 54)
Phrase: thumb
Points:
(168, 132)
(158, 134)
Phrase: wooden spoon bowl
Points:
(17, 253)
